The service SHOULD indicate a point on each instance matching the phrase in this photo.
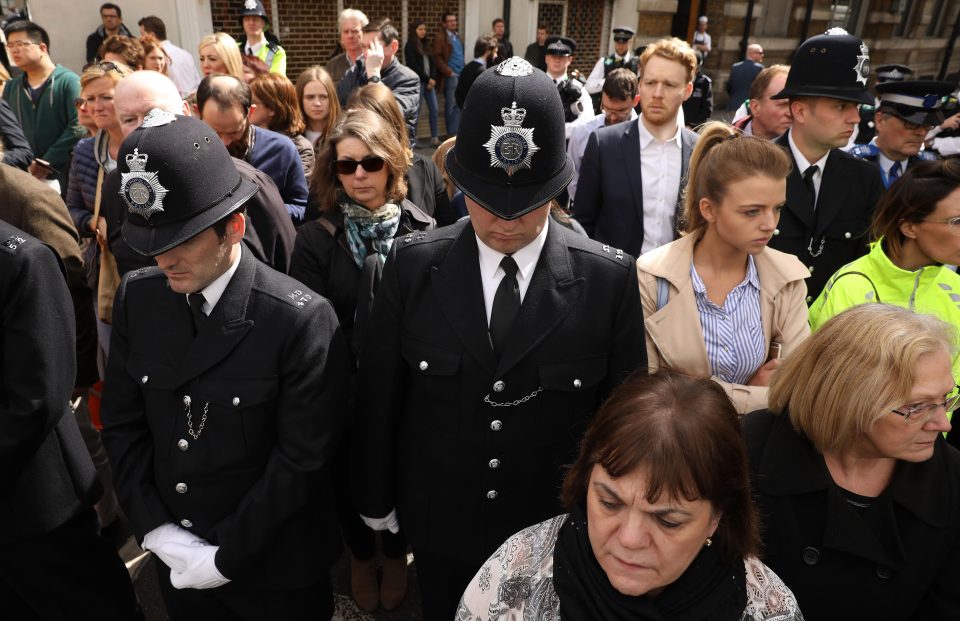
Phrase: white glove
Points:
(386, 523)
(373, 61)
(201, 569)
(168, 541)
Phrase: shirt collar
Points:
(886, 163)
(214, 291)
(526, 257)
(802, 163)
(752, 278)
(646, 137)
(481, 61)
(255, 48)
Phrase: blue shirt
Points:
(456, 56)
(733, 333)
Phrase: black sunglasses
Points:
(106, 67)
(348, 167)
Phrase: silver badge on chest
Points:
(511, 146)
(141, 190)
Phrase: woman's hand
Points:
(764, 373)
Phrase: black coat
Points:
(468, 76)
(742, 75)
(536, 55)
(464, 475)
(849, 191)
(426, 190)
(272, 366)
(400, 79)
(699, 106)
(16, 150)
(46, 475)
(898, 560)
(413, 59)
(609, 202)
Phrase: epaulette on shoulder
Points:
(864, 151)
(614, 255)
(416, 238)
(275, 47)
(12, 243)
(144, 273)
(927, 156)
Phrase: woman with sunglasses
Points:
(916, 229)
(859, 494)
(359, 185)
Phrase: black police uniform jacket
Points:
(463, 474)
(46, 475)
(270, 367)
(838, 228)
(897, 560)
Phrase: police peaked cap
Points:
(560, 46)
(893, 72)
(255, 8)
(176, 180)
(622, 33)
(914, 101)
(835, 64)
(510, 155)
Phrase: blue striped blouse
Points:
(733, 333)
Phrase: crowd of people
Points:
(600, 357)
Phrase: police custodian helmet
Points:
(176, 180)
(510, 155)
(835, 64)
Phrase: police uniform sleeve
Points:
(379, 398)
(38, 365)
(595, 79)
(311, 412)
(629, 349)
(586, 207)
(295, 189)
(126, 432)
(844, 290)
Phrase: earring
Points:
(709, 542)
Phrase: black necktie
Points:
(506, 304)
(196, 309)
(808, 181)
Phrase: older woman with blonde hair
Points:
(718, 302)
(859, 491)
(219, 53)
(358, 185)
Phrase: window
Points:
(937, 18)
(907, 11)
(846, 14)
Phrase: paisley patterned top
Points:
(516, 583)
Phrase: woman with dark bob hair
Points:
(661, 523)
(858, 491)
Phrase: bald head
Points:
(755, 53)
(142, 91)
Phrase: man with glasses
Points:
(225, 104)
(618, 99)
(42, 100)
(906, 112)
(351, 23)
(112, 19)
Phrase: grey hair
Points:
(352, 14)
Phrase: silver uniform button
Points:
(776, 231)
(423, 365)
(186, 523)
(181, 488)
(186, 399)
(183, 444)
(809, 299)
(236, 401)
(144, 379)
(847, 235)
(492, 494)
(577, 383)
(496, 425)
(494, 463)
(810, 267)
(498, 386)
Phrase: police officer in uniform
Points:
(906, 112)
(491, 343)
(831, 195)
(254, 20)
(577, 105)
(866, 130)
(224, 392)
(622, 58)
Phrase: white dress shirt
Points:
(491, 273)
(214, 291)
(596, 78)
(578, 144)
(183, 68)
(660, 166)
(803, 164)
(254, 49)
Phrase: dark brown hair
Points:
(762, 82)
(684, 432)
(912, 198)
(127, 48)
(379, 99)
(277, 93)
(621, 85)
(154, 25)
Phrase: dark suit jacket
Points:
(269, 368)
(741, 78)
(468, 76)
(899, 559)
(16, 150)
(427, 369)
(609, 201)
(46, 476)
(849, 190)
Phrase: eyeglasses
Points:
(16, 45)
(369, 164)
(953, 223)
(922, 413)
(106, 67)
